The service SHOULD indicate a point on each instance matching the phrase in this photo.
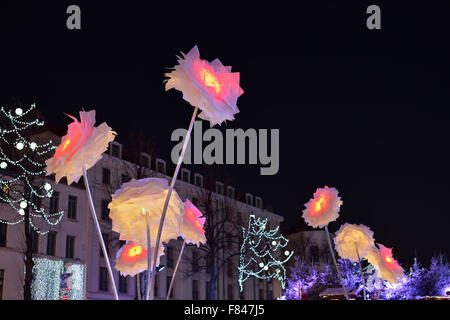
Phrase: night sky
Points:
(364, 111)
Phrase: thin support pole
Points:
(379, 289)
(169, 193)
(99, 233)
(149, 259)
(335, 263)
(362, 273)
(176, 269)
(138, 286)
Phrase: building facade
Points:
(74, 239)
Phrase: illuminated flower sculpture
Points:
(322, 208)
(128, 218)
(350, 237)
(132, 258)
(192, 227)
(386, 266)
(210, 86)
(82, 145)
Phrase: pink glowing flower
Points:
(83, 144)
(323, 208)
(192, 226)
(211, 86)
(135, 200)
(352, 236)
(386, 266)
(132, 258)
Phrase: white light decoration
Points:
(28, 172)
(258, 250)
(286, 253)
(20, 145)
(47, 186)
(47, 274)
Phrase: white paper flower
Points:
(192, 226)
(132, 258)
(83, 144)
(386, 266)
(128, 218)
(349, 236)
(210, 86)
(323, 208)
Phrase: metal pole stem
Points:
(362, 273)
(149, 259)
(335, 263)
(99, 233)
(175, 271)
(169, 193)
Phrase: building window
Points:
(2, 277)
(145, 160)
(198, 180)
(54, 202)
(208, 290)
(249, 199)
(270, 294)
(229, 241)
(219, 187)
(103, 279)
(51, 243)
(34, 241)
(36, 199)
(194, 261)
(168, 281)
(106, 240)
(230, 292)
(261, 294)
(70, 247)
(258, 202)
(230, 192)
(314, 253)
(161, 166)
(3, 231)
(185, 175)
(156, 286)
(105, 210)
(72, 208)
(230, 269)
(125, 178)
(116, 149)
(194, 289)
(123, 288)
(169, 257)
(106, 176)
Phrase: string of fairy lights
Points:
(19, 173)
(259, 244)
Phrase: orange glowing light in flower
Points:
(192, 217)
(133, 252)
(209, 79)
(320, 204)
(386, 254)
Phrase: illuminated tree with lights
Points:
(23, 188)
(263, 253)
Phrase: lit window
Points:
(219, 187)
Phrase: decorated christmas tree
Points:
(23, 187)
(263, 253)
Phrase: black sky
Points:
(364, 111)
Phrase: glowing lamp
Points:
(47, 186)
(210, 86)
(33, 145)
(323, 208)
(19, 111)
(20, 145)
(261, 265)
(3, 165)
(23, 204)
(21, 212)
